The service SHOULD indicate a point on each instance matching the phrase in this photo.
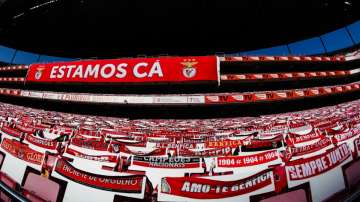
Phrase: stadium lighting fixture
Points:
(43, 4)
(36, 7)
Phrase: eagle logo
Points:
(165, 187)
(39, 72)
(189, 70)
(21, 153)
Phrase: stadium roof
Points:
(113, 28)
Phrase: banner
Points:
(155, 152)
(224, 143)
(206, 153)
(101, 158)
(295, 139)
(44, 143)
(133, 144)
(22, 151)
(234, 98)
(160, 140)
(25, 129)
(83, 137)
(176, 145)
(346, 135)
(98, 145)
(316, 165)
(11, 131)
(200, 188)
(248, 160)
(125, 184)
(298, 151)
(166, 162)
(130, 70)
(194, 140)
(259, 144)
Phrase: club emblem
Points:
(189, 69)
(39, 72)
(165, 187)
(21, 153)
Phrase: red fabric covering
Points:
(41, 187)
(9, 182)
(352, 174)
(294, 196)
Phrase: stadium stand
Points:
(104, 157)
(275, 124)
(309, 155)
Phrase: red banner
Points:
(155, 152)
(346, 135)
(248, 160)
(127, 184)
(47, 144)
(164, 69)
(261, 143)
(309, 167)
(298, 151)
(176, 145)
(101, 158)
(133, 144)
(165, 162)
(206, 153)
(90, 144)
(11, 131)
(22, 151)
(224, 143)
(25, 129)
(200, 188)
(295, 139)
(82, 137)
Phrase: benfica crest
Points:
(165, 187)
(189, 69)
(21, 153)
(39, 72)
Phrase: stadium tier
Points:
(188, 80)
(301, 155)
(247, 97)
(52, 156)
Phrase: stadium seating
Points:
(91, 146)
(50, 155)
